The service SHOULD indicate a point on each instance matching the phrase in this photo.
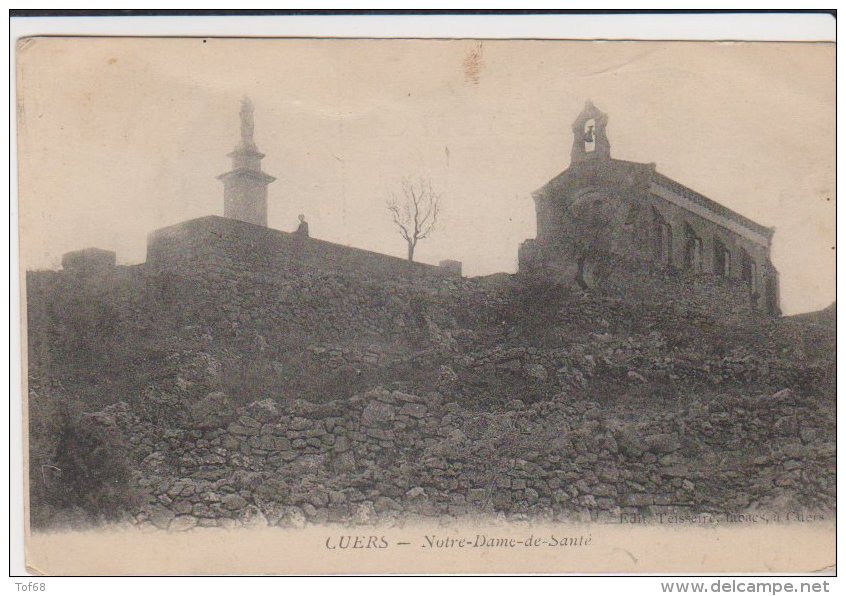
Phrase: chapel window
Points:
(633, 215)
(663, 239)
(692, 250)
(722, 259)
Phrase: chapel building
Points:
(602, 209)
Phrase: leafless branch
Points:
(415, 211)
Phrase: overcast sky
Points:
(120, 137)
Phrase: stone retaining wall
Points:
(383, 454)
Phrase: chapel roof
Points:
(674, 186)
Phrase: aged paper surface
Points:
(613, 352)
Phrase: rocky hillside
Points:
(175, 403)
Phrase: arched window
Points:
(722, 259)
(749, 274)
(589, 136)
(662, 238)
(745, 266)
(633, 215)
(692, 250)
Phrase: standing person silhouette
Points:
(302, 229)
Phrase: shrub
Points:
(87, 478)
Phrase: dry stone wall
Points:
(386, 454)
(199, 243)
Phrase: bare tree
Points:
(414, 210)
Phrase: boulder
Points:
(446, 376)
(182, 523)
(537, 372)
(264, 411)
(292, 517)
(252, 517)
(161, 517)
(234, 501)
(785, 396)
(414, 410)
(630, 443)
(635, 376)
(807, 434)
(417, 491)
(384, 504)
(216, 410)
(273, 489)
(377, 394)
(377, 413)
(662, 443)
(405, 397)
(344, 462)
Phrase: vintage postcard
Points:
(427, 306)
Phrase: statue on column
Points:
(247, 123)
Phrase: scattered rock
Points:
(161, 517)
(292, 517)
(264, 411)
(537, 372)
(252, 517)
(183, 523)
(414, 410)
(636, 376)
(415, 492)
(233, 502)
(216, 410)
(662, 443)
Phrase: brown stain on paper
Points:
(473, 64)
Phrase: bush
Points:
(46, 416)
(88, 478)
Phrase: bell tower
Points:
(245, 185)
(589, 138)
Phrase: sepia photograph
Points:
(324, 305)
